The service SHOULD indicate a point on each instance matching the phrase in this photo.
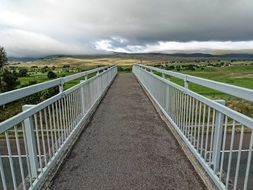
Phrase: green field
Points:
(36, 77)
(239, 73)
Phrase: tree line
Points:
(9, 78)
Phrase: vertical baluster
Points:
(19, 157)
(27, 156)
(186, 114)
(68, 114)
(64, 117)
(248, 162)
(60, 118)
(42, 135)
(10, 160)
(57, 123)
(198, 126)
(230, 153)
(203, 130)
(55, 129)
(211, 139)
(47, 131)
(3, 178)
(51, 130)
(191, 113)
(223, 147)
(207, 131)
(38, 140)
(195, 122)
(238, 158)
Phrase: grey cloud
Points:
(75, 25)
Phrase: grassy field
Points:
(238, 73)
(78, 62)
(42, 77)
(235, 74)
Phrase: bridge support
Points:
(31, 143)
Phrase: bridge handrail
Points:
(206, 126)
(17, 94)
(237, 91)
(42, 134)
(243, 119)
(7, 124)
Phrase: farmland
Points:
(235, 72)
(239, 74)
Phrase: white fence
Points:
(34, 140)
(220, 138)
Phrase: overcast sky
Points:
(47, 27)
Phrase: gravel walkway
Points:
(126, 146)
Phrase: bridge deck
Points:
(126, 146)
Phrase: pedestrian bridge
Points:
(134, 130)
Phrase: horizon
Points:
(46, 27)
(190, 55)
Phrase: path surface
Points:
(126, 146)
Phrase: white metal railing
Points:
(220, 138)
(237, 91)
(23, 92)
(32, 141)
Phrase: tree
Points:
(22, 72)
(65, 66)
(3, 61)
(9, 80)
(3, 57)
(44, 69)
(51, 75)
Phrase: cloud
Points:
(19, 42)
(83, 26)
(172, 46)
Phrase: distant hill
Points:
(17, 59)
(186, 55)
(150, 56)
(237, 56)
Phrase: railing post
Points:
(85, 76)
(186, 83)
(82, 97)
(31, 143)
(219, 120)
(167, 99)
(61, 86)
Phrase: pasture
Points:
(238, 73)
